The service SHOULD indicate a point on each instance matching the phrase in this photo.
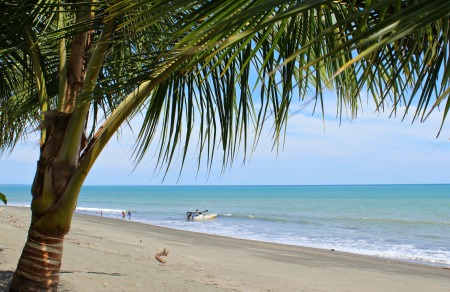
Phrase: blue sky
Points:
(372, 149)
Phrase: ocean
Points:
(405, 222)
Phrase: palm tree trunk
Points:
(40, 263)
(52, 207)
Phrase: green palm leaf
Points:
(227, 68)
(3, 198)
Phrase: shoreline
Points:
(407, 261)
(318, 249)
(106, 254)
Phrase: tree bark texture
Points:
(39, 264)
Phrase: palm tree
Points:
(77, 71)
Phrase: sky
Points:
(372, 149)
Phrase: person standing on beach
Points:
(101, 213)
(123, 215)
(129, 215)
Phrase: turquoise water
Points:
(407, 222)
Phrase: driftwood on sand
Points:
(158, 255)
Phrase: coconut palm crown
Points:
(76, 71)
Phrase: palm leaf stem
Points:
(121, 113)
(62, 64)
(40, 83)
(70, 149)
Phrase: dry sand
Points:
(102, 254)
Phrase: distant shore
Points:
(103, 254)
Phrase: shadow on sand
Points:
(5, 280)
(97, 273)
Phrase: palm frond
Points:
(226, 68)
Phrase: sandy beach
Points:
(102, 254)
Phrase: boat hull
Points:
(205, 217)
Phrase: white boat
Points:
(200, 215)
